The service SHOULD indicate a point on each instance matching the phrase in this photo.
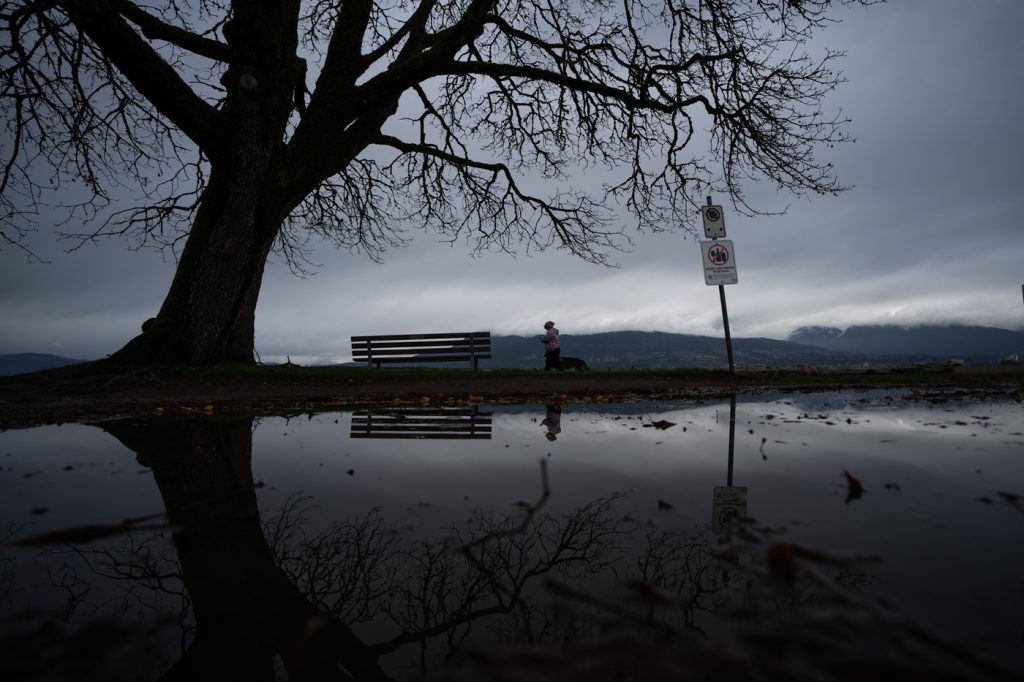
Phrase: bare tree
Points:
(251, 125)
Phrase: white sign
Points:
(719, 262)
(728, 507)
(714, 221)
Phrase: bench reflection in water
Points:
(427, 423)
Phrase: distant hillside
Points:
(977, 345)
(22, 363)
(663, 350)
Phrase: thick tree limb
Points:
(153, 77)
(414, 26)
(155, 29)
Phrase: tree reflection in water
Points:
(590, 595)
(282, 595)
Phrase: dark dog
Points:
(574, 363)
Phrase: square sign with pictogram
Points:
(719, 262)
(729, 507)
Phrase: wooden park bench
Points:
(417, 348)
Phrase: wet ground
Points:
(829, 535)
(76, 394)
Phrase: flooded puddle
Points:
(802, 536)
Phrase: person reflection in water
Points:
(553, 420)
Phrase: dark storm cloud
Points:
(930, 231)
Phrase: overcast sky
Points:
(930, 232)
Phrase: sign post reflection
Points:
(728, 502)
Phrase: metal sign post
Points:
(719, 265)
(725, 321)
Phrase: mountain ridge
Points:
(653, 350)
(23, 363)
(855, 346)
(975, 344)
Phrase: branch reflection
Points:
(283, 593)
(596, 593)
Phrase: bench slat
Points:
(418, 412)
(424, 358)
(415, 351)
(454, 428)
(405, 337)
(378, 421)
(424, 436)
(460, 343)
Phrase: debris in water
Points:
(81, 534)
(1013, 499)
(854, 490)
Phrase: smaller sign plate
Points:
(714, 221)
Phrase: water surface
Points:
(394, 542)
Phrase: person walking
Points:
(552, 351)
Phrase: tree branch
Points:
(415, 25)
(497, 211)
(153, 77)
(574, 84)
(155, 29)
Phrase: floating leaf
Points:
(854, 489)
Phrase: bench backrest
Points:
(416, 348)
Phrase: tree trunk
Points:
(209, 313)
